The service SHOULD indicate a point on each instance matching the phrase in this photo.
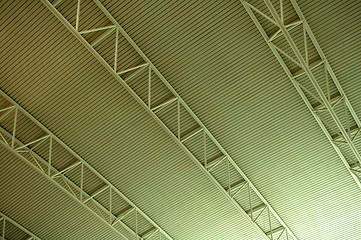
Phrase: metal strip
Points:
(181, 102)
(80, 160)
(307, 70)
(8, 219)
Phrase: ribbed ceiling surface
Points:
(107, 127)
(37, 204)
(213, 55)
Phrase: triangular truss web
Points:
(26, 137)
(98, 30)
(9, 229)
(310, 72)
(299, 53)
(83, 15)
(146, 84)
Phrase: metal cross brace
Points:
(182, 136)
(4, 219)
(340, 127)
(28, 153)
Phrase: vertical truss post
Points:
(75, 189)
(228, 179)
(50, 155)
(205, 150)
(178, 121)
(116, 50)
(77, 16)
(182, 136)
(149, 86)
(81, 181)
(110, 205)
(3, 228)
(14, 127)
(7, 219)
(250, 201)
(341, 126)
(270, 223)
(136, 224)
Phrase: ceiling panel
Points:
(63, 86)
(40, 206)
(213, 55)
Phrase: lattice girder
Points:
(287, 33)
(106, 39)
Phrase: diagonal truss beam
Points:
(4, 220)
(311, 75)
(46, 163)
(237, 183)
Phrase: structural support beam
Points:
(4, 220)
(44, 163)
(304, 62)
(187, 137)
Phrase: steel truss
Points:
(52, 158)
(171, 112)
(291, 40)
(5, 221)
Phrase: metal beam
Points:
(338, 126)
(70, 185)
(201, 128)
(73, 189)
(4, 218)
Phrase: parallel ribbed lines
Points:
(215, 58)
(340, 44)
(251, 107)
(12, 229)
(36, 203)
(99, 120)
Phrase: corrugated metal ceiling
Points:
(34, 202)
(167, 180)
(213, 55)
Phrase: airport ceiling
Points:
(180, 119)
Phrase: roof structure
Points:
(180, 119)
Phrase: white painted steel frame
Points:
(76, 191)
(326, 102)
(4, 219)
(229, 191)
